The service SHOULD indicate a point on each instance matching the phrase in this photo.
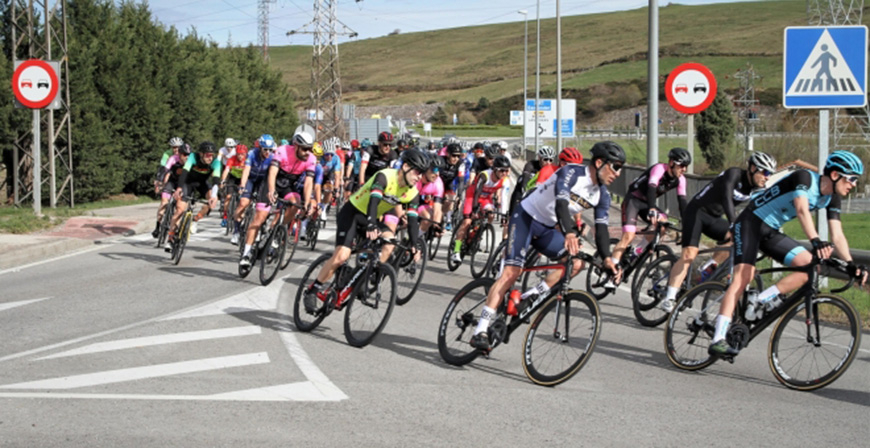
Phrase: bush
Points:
(716, 127)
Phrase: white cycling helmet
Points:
(546, 152)
(230, 143)
(303, 139)
(175, 142)
(763, 161)
(502, 145)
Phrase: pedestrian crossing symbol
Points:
(825, 67)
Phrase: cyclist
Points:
(384, 190)
(256, 167)
(377, 158)
(201, 174)
(501, 147)
(402, 144)
(431, 189)
(174, 144)
(484, 194)
(331, 176)
(289, 164)
(317, 186)
(640, 200)
(573, 188)
(757, 227)
(232, 176)
(352, 169)
(703, 214)
(528, 179)
(452, 175)
(172, 170)
(227, 151)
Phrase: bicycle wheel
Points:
(181, 238)
(311, 231)
(481, 249)
(247, 217)
(291, 241)
(370, 308)
(660, 251)
(597, 276)
(690, 327)
(804, 365)
(494, 264)
(304, 321)
(272, 254)
(557, 351)
(165, 223)
(234, 203)
(409, 273)
(452, 265)
(459, 321)
(650, 290)
(433, 243)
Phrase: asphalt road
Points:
(117, 347)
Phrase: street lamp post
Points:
(537, 71)
(525, 76)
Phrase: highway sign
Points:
(690, 88)
(35, 83)
(825, 67)
(547, 118)
(516, 118)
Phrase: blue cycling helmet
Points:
(844, 162)
(266, 141)
(366, 143)
(284, 141)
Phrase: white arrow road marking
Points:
(158, 340)
(10, 305)
(139, 373)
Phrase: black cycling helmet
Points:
(438, 162)
(416, 159)
(490, 152)
(454, 149)
(385, 137)
(501, 162)
(477, 146)
(401, 143)
(681, 156)
(184, 149)
(206, 147)
(609, 151)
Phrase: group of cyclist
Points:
(385, 182)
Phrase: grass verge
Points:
(20, 220)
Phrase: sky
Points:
(236, 21)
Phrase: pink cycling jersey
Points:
(172, 161)
(432, 189)
(285, 159)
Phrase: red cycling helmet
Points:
(570, 155)
(241, 149)
(385, 137)
(354, 143)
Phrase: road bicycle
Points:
(182, 233)
(560, 338)
(477, 245)
(815, 335)
(367, 291)
(166, 222)
(312, 229)
(408, 267)
(293, 235)
(230, 209)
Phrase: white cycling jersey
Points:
(574, 184)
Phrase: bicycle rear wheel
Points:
(234, 203)
(459, 322)
(481, 250)
(409, 273)
(165, 223)
(307, 322)
(690, 327)
(370, 307)
(272, 254)
(803, 365)
(181, 237)
(291, 241)
(561, 338)
(650, 290)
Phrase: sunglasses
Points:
(851, 179)
(502, 170)
(616, 167)
(765, 173)
(547, 160)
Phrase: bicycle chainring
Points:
(738, 336)
(497, 331)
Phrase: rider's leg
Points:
(339, 257)
(392, 222)
(259, 218)
(680, 269)
(180, 208)
(743, 274)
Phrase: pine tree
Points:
(716, 127)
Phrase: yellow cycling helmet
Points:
(317, 150)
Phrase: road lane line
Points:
(140, 373)
(10, 305)
(158, 340)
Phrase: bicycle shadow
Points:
(199, 272)
(279, 322)
(153, 259)
(861, 398)
(412, 348)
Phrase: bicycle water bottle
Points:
(514, 300)
(753, 310)
(707, 270)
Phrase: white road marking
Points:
(37, 263)
(158, 340)
(10, 305)
(139, 373)
(304, 391)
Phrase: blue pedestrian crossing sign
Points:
(825, 67)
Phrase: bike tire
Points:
(690, 327)
(433, 243)
(368, 311)
(481, 250)
(459, 322)
(306, 322)
(409, 274)
(802, 365)
(452, 265)
(291, 241)
(661, 250)
(243, 228)
(551, 356)
(595, 278)
(181, 238)
(165, 223)
(494, 263)
(651, 290)
(272, 254)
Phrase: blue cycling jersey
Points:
(775, 206)
(330, 167)
(259, 166)
(356, 160)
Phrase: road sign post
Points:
(543, 123)
(690, 89)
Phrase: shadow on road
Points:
(847, 396)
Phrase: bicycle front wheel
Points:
(561, 338)
(272, 254)
(304, 321)
(810, 358)
(483, 247)
(409, 273)
(434, 243)
(291, 241)
(370, 307)
(597, 276)
(650, 290)
(181, 237)
(494, 263)
(452, 265)
(690, 327)
(460, 320)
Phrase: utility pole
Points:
(652, 132)
(747, 105)
(327, 118)
(263, 27)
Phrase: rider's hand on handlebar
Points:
(614, 268)
(572, 244)
(372, 230)
(822, 249)
(857, 271)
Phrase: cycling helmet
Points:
(184, 150)
(416, 159)
(329, 149)
(345, 145)
(230, 143)
(317, 149)
(354, 144)
(175, 142)
(454, 149)
(303, 139)
(546, 152)
(241, 149)
(206, 147)
(609, 151)
(681, 156)
(438, 162)
(845, 162)
(366, 143)
(570, 155)
(477, 147)
(284, 142)
(385, 137)
(763, 161)
(490, 152)
(402, 143)
(501, 145)
(501, 162)
(266, 141)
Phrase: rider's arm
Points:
(307, 187)
(377, 192)
(182, 179)
(655, 176)
(215, 178)
(836, 229)
(731, 178)
(413, 223)
(270, 178)
(245, 174)
(681, 195)
(565, 179)
(225, 173)
(602, 217)
(477, 189)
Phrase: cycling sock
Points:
(316, 285)
(486, 315)
(247, 249)
(457, 246)
(672, 293)
(542, 289)
(722, 323)
(768, 294)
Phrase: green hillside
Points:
(465, 64)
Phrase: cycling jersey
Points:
(451, 174)
(719, 197)
(482, 192)
(290, 166)
(431, 192)
(166, 156)
(356, 160)
(200, 171)
(479, 165)
(331, 167)
(236, 167)
(259, 166)
(385, 187)
(225, 154)
(658, 181)
(776, 205)
(376, 161)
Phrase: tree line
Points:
(134, 83)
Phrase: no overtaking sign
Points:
(35, 83)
